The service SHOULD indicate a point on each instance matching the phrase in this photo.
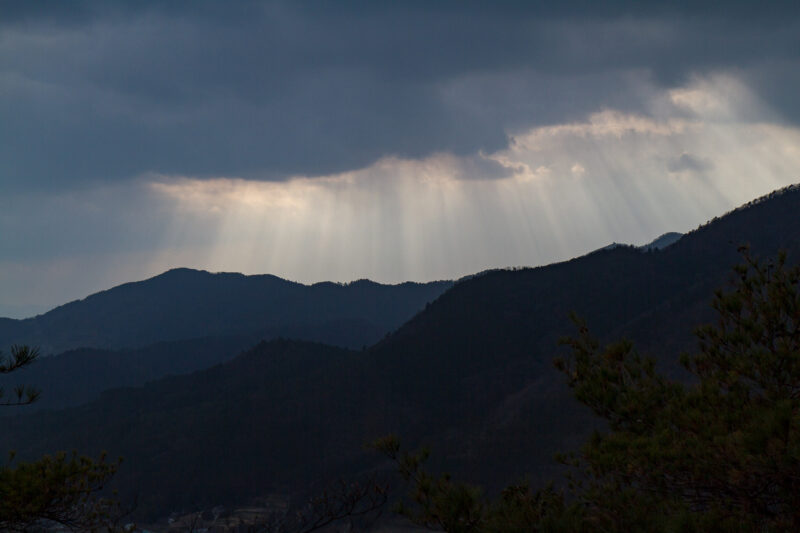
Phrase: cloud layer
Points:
(338, 141)
(267, 90)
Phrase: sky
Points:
(395, 141)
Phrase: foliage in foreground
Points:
(440, 503)
(60, 489)
(719, 454)
(57, 489)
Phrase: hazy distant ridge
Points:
(184, 304)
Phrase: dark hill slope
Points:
(472, 374)
(480, 356)
(283, 412)
(185, 304)
(501, 314)
(80, 375)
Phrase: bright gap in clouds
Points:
(557, 192)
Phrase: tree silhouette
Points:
(723, 451)
(59, 489)
(21, 356)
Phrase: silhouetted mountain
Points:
(472, 374)
(658, 243)
(186, 304)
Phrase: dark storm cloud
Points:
(95, 90)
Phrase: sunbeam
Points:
(567, 189)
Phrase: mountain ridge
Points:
(186, 303)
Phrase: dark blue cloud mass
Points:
(266, 90)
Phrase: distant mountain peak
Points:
(662, 242)
(181, 271)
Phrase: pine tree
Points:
(60, 489)
(721, 453)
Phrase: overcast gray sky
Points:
(341, 140)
